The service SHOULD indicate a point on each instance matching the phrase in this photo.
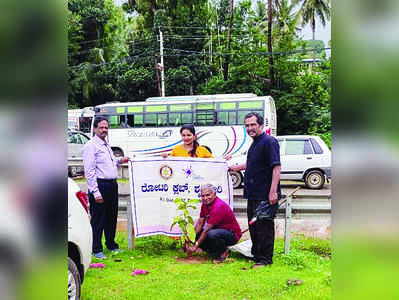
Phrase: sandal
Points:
(222, 257)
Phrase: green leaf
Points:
(178, 201)
(171, 226)
(177, 219)
(191, 232)
(194, 201)
(190, 219)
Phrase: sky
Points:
(321, 33)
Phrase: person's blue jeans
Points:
(217, 241)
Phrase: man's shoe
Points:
(260, 265)
(116, 250)
(99, 255)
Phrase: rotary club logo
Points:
(166, 172)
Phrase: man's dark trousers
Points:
(217, 241)
(104, 215)
(262, 235)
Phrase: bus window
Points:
(227, 118)
(85, 124)
(205, 117)
(138, 120)
(162, 120)
(174, 119)
(134, 120)
(150, 120)
(178, 119)
(187, 118)
(251, 105)
(243, 113)
(117, 121)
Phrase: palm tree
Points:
(287, 20)
(310, 9)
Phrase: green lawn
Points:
(309, 261)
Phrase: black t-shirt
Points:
(262, 156)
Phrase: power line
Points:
(126, 59)
(149, 40)
(191, 52)
(247, 53)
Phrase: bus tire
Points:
(236, 178)
(118, 152)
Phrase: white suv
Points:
(79, 239)
(303, 157)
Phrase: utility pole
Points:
(162, 64)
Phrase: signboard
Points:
(156, 182)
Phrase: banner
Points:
(156, 182)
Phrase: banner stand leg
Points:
(130, 230)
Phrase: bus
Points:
(152, 127)
(81, 119)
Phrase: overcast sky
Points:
(321, 33)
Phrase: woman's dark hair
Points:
(207, 148)
(191, 128)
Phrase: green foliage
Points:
(135, 84)
(294, 258)
(113, 56)
(184, 220)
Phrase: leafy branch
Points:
(184, 220)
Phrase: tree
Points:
(312, 9)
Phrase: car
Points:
(76, 141)
(303, 158)
(79, 239)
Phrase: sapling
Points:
(185, 221)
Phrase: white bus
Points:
(152, 127)
(81, 119)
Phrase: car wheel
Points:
(73, 281)
(236, 178)
(118, 152)
(314, 180)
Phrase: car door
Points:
(296, 158)
(83, 140)
(73, 146)
(76, 143)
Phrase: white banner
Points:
(156, 182)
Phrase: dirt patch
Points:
(192, 259)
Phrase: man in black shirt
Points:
(261, 183)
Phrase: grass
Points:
(309, 261)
